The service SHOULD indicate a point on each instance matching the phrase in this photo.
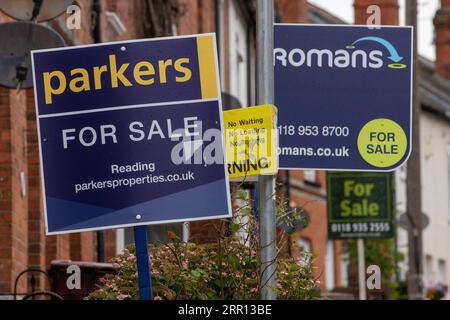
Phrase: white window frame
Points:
(310, 176)
(442, 271)
(329, 266)
(429, 269)
(238, 48)
(305, 246)
(345, 262)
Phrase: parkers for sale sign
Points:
(130, 133)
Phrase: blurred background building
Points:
(23, 243)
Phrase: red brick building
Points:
(23, 243)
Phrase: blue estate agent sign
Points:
(344, 96)
(130, 133)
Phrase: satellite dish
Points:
(15, 61)
(293, 225)
(39, 10)
(230, 102)
(403, 221)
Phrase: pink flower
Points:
(253, 290)
(157, 298)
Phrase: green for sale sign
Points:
(359, 205)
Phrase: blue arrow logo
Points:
(394, 56)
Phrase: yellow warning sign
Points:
(251, 141)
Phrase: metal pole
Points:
(266, 183)
(413, 181)
(143, 263)
(361, 270)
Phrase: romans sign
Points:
(343, 93)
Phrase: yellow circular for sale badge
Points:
(382, 143)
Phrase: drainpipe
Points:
(96, 36)
(218, 27)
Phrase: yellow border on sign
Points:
(207, 66)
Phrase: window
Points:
(429, 272)
(156, 234)
(442, 277)
(310, 176)
(329, 266)
(238, 55)
(243, 203)
(345, 261)
(305, 249)
(120, 241)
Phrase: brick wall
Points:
(389, 11)
(292, 11)
(36, 220)
(189, 13)
(110, 244)
(83, 246)
(18, 163)
(23, 243)
(442, 39)
(13, 206)
(206, 16)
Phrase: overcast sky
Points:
(427, 8)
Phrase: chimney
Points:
(389, 11)
(442, 40)
(292, 11)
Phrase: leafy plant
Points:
(198, 271)
(226, 269)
